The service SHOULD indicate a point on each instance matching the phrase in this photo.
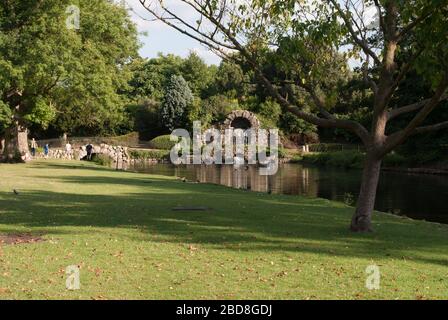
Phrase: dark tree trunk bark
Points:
(16, 144)
(362, 219)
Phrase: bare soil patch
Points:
(20, 238)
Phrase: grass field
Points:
(119, 227)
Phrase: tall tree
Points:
(178, 97)
(152, 76)
(51, 69)
(197, 73)
(307, 34)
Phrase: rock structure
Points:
(247, 116)
(117, 154)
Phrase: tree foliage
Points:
(67, 78)
(178, 97)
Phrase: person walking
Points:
(89, 149)
(33, 147)
(46, 150)
(68, 151)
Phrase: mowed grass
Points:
(119, 227)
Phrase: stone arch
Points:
(241, 119)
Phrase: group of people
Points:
(34, 147)
(46, 149)
(68, 150)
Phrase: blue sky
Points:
(161, 38)
(164, 39)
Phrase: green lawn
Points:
(119, 227)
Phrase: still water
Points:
(417, 196)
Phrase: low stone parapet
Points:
(115, 153)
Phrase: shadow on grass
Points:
(243, 221)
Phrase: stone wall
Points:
(117, 154)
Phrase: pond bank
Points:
(354, 160)
(121, 229)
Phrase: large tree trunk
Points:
(16, 144)
(362, 219)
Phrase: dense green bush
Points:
(149, 154)
(343, 159)
(102, 160)
(162, 143)
(394, 160)
(347, 159)
(334, 147)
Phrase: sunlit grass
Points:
(119, 227)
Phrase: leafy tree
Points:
(231, 80)
(53, 74)
(213, 109)
(145, 117)
(307, 37)
(178, 97)
(152, 76)
(196, 72)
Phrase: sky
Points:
(164, 39)
(161, 38)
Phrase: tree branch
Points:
(406, 30)
(409, 108)
(355, 38)
(430, 128)
(211, 43)
(397, 138)
(381, 18)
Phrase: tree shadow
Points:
(243, 221)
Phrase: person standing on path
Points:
(68, 151)
(46, 150)
(33, 147)
(89, 149)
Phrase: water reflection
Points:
(416, 196)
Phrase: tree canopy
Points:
(66, 77)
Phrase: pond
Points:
(417, 196)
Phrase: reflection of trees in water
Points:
(417, 196)
(288, 180)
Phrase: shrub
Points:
(349, 159)
(102, 160)
(394, 160)
(343, 159)
(127, 140)
(162, 143)
(149, 154)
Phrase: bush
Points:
(127, 140)
(348, 159)
(149, 154)
(334, 147)
(394, 160)
(162, 143)
(343, 159)
(102, 160)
